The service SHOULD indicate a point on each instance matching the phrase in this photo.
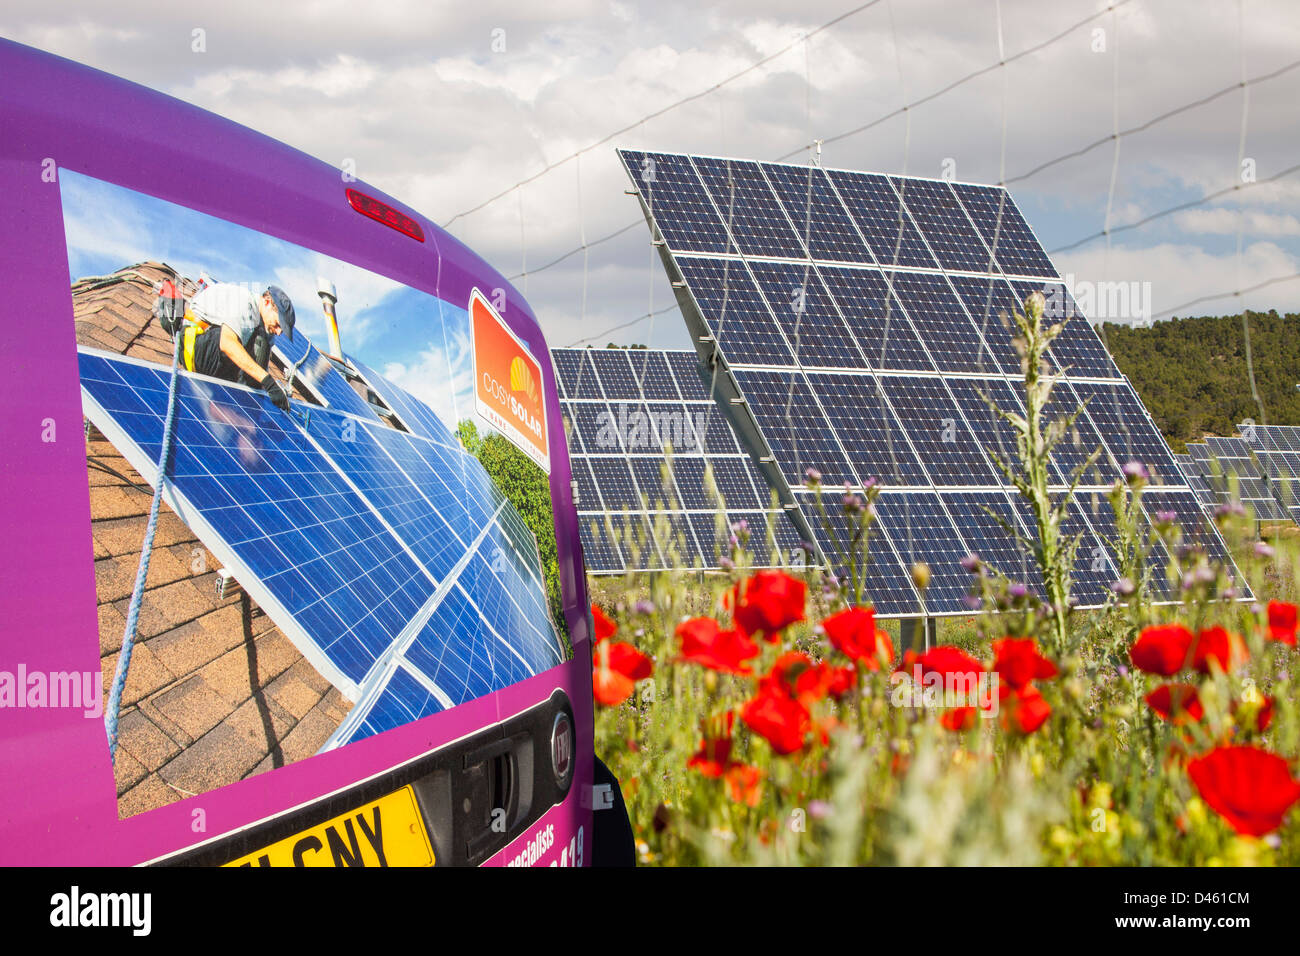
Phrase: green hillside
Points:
(1192, 373)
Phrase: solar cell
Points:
(319, 377)
(944, 224)
(942, 324)
(418, 417)
(1004, 230)
(807, 315)
(794, 426)
(938, 431)
(875, 319)
(890, 233)
(750, 209)
(921, 531)
(819, 217)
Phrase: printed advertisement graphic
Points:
(508, 383)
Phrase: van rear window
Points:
(357, 528)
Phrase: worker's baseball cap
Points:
(284, 306)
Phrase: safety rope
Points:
(137, 595)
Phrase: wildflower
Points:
(1218, 645)
(1263, 549)
(645, 607)
(921, 575)
(1135, 471)
(604, 626)
(714, 756)
(1017, 590)
(1250, 788)
(1166, 517)
(812, 477)
(704, 644)
(744, 784)
(1023, 710)
(1017, 662)
(1176, 703)
(1123, 586)
(1282, 622)
(616, 668)
(779, 718)
(971, 562)
(770, 602)
(1254, 709)
(795, 675)
(1162, 649)
(853, 633)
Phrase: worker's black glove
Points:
(275, 391)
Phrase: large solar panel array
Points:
(391, 561)
(625, 409)
(1259, 468)
(858, 321)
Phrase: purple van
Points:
(362, 637)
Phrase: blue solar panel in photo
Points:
(875, 319)
(1093, 571)
(418, 417)
(614, 479)
(945, 445)
(868, 429)
(600, 552)
(596, 426)
(794, 426)
(1196, 528)
(921, 531)
(889, 231)
(983, 517)
(576, 374)
(712, 431)
(732, 479)
(402, 700)
(345, 532)
(782, 548)
(650, 369)
(819, 217)
(1080, 440)
(1004, 230)
(735, 313)
(992, 304)
(320, 377)
(1118, 414)
(993, 433)
(944, 224)
(692, 384)
(682, 209)
(1078, 349)
(659, 490)
(615, 373)
(749, 208)
(806, 314)
(943, 326)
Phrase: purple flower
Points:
(1134, 470)
(1263, 549)
(852, 503)
(1229, 508)
(1017, 590)
(1122, 670)
(971, 562)
(812, 476)
(973, 601)
(1123, 586)
(818, 809)
(725, 563)
(741, 527)
(645, 607)
(1205, 574)
(1166, 517)
(870, 483)
(1189, 581)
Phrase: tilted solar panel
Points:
(369, 547)
(853, 324)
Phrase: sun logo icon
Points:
(521, 379)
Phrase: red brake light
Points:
(382, 212)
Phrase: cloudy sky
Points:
(448, 105)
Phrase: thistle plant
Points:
(1030, 474)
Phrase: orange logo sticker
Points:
(507, 382)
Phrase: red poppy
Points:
(1162, 649)
(714, 756)
(769, 602)
(958, 718)
(960, 671)
(615, 670)
(1282, 622)
(744, 784)
(1217, 644)
(778, 717)
(853, 633)
(1177, 703)
(842, 681)
(605, 628)
(704, 644)
(1017, 662)
(1250, 788)
(1024, 710)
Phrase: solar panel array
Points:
(390, 559)
(858, 321)
(625, 409)
(1259, 468)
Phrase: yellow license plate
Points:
(384, 832)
